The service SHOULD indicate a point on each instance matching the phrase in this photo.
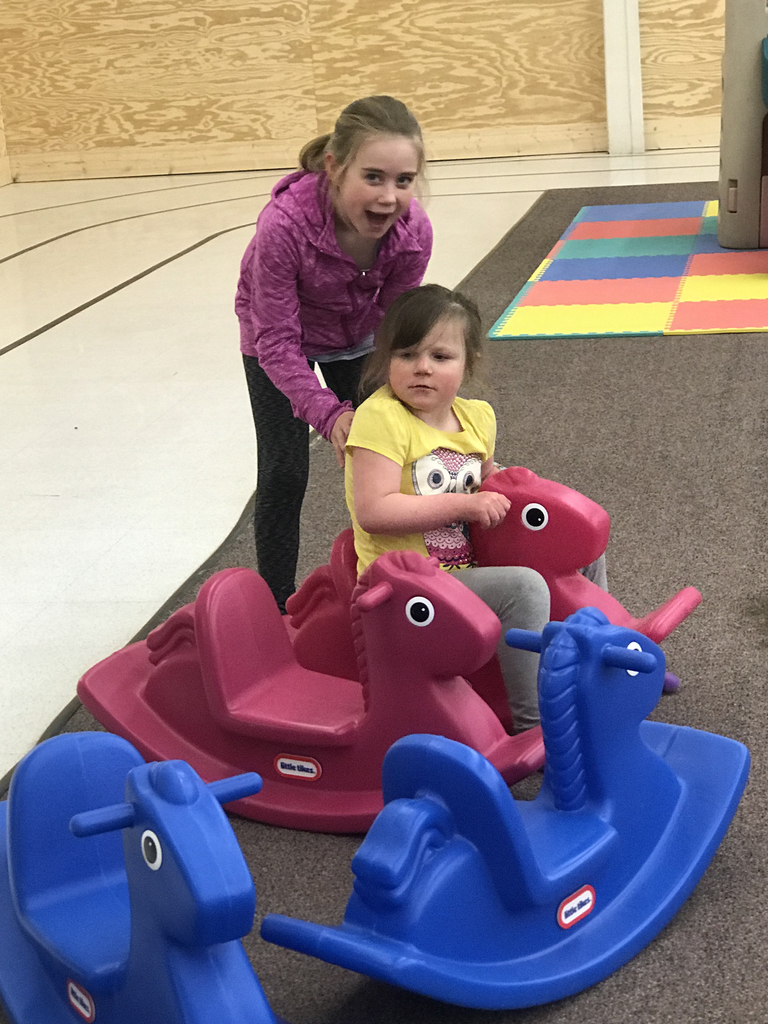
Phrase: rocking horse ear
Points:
(375, 596)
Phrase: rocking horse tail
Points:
(327, 584)
(315, 592)
(177, 631)
(658, 624)
(344, 564)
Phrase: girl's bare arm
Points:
(381, 508)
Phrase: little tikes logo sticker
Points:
(81, 1001)
(298, 767)
(575, 908)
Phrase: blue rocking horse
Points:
(463, 894)
(142, 928)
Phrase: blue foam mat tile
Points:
(644, 211)
(614, 268)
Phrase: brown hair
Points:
(374, 115)
(408, 321)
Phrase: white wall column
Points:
(623, 80)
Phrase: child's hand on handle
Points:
(488, 508)
(340, 433)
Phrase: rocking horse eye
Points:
(534, 516)
(151, 850)
(634, 646)
(420, 611)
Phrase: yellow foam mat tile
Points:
(540, 269)
(621, 318)
(717, 287)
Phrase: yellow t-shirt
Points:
(433, 461)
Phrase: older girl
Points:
(338, 241)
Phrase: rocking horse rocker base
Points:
(218, 685)
(465, 895)
(290, 801)
(581, 957)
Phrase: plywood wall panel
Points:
(150, 86)
(81, 74)
(464, 67)
(681, 52)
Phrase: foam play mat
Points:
(654, 268)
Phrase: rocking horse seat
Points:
(98, 951)
(561, 847)
(55, 878)
(252, 680)
(298, 706)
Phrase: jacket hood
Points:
(303, 197)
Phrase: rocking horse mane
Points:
(391, 565)
(560, 724)
(385, 569)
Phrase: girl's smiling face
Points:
(427, 376)
(377, 186)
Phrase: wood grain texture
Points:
(189, 158)
(78, 74)
(463, 65)
(103, 86)
(182, 158)
(5, 164)
(681, 53)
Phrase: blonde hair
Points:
(409, 320)
(374, 115)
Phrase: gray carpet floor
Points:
(669, 435)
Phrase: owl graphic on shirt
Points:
(444, 471)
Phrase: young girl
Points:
(416, 455)
(338, 241)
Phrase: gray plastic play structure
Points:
(743, 211)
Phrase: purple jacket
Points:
(300, 296)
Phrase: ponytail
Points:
(311, 158)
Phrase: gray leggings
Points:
(520, 598)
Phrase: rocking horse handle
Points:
(236, 787)
(630, 658)
(103, 819)
(523, 639)
(117, 816)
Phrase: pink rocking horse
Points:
(550, 528)
(558, 531)
(219, 685)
